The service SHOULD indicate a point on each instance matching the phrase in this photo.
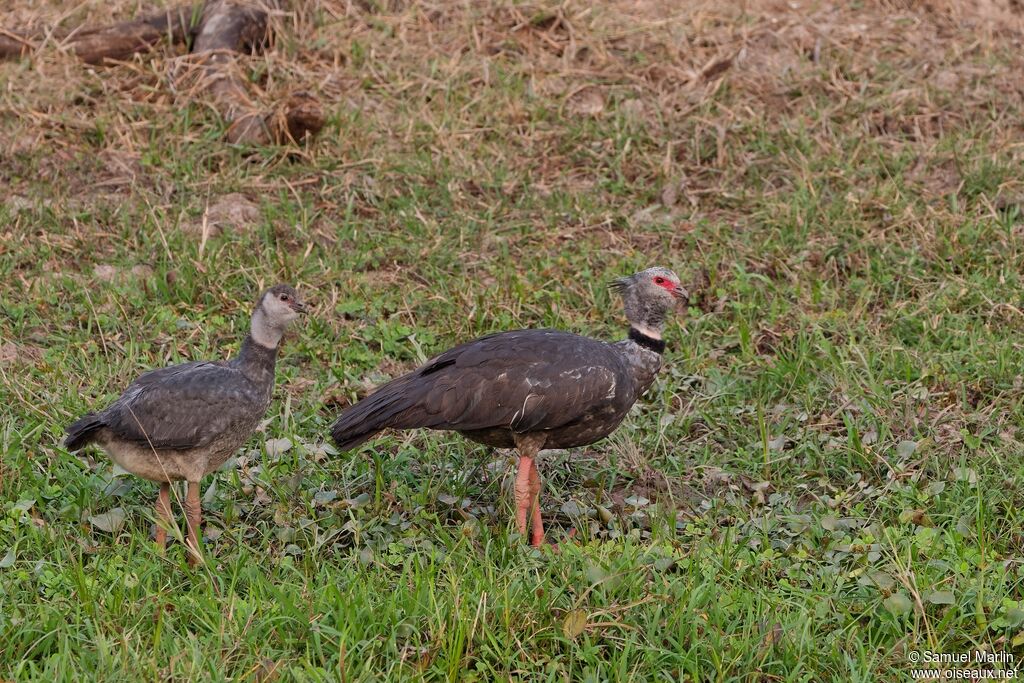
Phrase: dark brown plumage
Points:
(184, 421)
(529, 389)
(574, 388)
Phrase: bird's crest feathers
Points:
(620, 284)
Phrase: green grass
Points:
(826, 476)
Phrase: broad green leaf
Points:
(8, 559)
(898, 604)
(324, 497)
(875, 577)
(940, 597)
(965, 474)
(905, 449)
(575, 623)
(111, 521)
(596, 573)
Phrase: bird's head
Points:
(648, 296)
(281, 305)
(277, 307)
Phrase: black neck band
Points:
(656, 345)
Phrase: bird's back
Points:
(570, 386)
(180, 407)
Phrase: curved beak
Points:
(299, 307)
(680, 292)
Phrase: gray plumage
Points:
(194, 415)
(575, 390)
(184, 421)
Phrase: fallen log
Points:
(115, 42)
(221, 32)
(228, 28)
(15, 45)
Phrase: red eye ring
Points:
(659, 280)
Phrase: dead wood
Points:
(14, 45)
(227, 29)
(115, 42)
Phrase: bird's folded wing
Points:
(527, 381)
(184, 406)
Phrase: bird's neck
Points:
(646, 317)
(262, 332)
(645, 324)
(259, 350)
(648, 331)
(644, 354)
(647, 337)
(256, 359)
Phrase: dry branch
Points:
(115, 42)
(226, 29)
(14, 45)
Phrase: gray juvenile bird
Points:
(529, 389)
(182, 422)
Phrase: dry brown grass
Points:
(652, 62)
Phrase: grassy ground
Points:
(826, 477)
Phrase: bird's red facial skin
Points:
(665, 283)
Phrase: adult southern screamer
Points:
(184, 421)
(529, 389)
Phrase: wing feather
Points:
(185, 406)
(527, 380)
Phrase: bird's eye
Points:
(284, 297)
(659, 280)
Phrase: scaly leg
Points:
(537, 524)
(163, 516)
(193, 516)
(523, 490)
(528, 486)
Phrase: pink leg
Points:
(537, 524)
(528, 486)
(523, 491)
(193, 516)
(163, 516)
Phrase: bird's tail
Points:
(347, 440)
(384, 408)
(83, 431)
